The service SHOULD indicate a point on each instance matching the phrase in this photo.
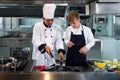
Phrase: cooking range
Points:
(69, 68)
(60, 67)
(9, 64)
(59, 72)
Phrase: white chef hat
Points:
(49, 10)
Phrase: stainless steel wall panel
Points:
(104, 8)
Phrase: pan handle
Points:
(51, 55)
(53, 58)
(61, 63)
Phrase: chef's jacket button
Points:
(51, 36)
(50, 29)
(45, 29)
(52, 43)
(45, 36)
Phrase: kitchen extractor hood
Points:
(46, 1)
(104, 8)
(108, 0)
(12, 10)
(33, 8)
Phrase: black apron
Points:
(73, 57)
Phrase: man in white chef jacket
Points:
(47, 37)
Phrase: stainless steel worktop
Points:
(59, 76)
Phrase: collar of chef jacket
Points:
(46, 25)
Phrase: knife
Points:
(61, 66)
(53, 59)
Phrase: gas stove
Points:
(11, 64)
(61, 67)
(69, 69)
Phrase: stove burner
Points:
(60, 67)
(69, 68)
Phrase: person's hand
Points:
(48, 50)
(83, 50)
(117, 71)
(70, 44)
(61, 56)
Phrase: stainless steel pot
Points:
(26, 35)
(14, 33)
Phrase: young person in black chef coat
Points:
(79, 39)
(47, 37)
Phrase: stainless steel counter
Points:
(59, 76)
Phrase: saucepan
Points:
(26, 35)
(14, 33)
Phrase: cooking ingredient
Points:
(99, 64)
(115, 61)
(114, 64)
(118, 66)
(111, 63)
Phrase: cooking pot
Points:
(14, 33)
(26, 35)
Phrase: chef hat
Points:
(48, 11)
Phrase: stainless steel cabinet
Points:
(96, 51)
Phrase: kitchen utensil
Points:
(61, 66)
(53, 59)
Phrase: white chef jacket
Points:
(89, 38)
(49, 36)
